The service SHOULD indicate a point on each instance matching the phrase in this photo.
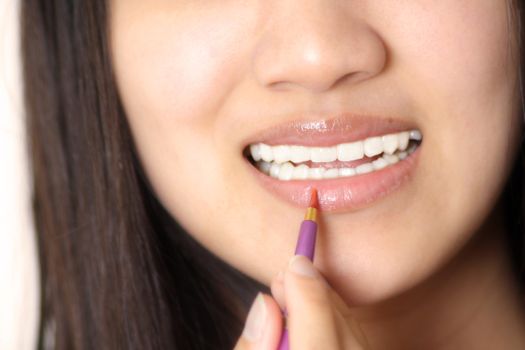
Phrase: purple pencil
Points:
(305, 246)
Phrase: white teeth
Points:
(323, 154)
(346, 172)
(287, 171)
(281, 154)
(364, 168)
(415, 135)
(300, 172)
(348, 152)
(379, 163)
(255, 151)
(299, 154)
(391, 158)
(266, 152)
(316, 173)
(373, 146)
(390, 143)
(278, 161)
(345, 152)
(274, 170)
(331, 173)
(403, 140)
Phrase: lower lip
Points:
(346, 193)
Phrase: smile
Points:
(353, 161)
(295, 162)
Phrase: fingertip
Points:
(274, 324)
(256, 320)
(304, 284)
(263, 326)
(302, 266)
(277, 288)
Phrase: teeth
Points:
(390, 143)
(255, 151)
(345, 152)
(300, 172)
(266, 152)
(373, 146)
(323, 154)
(412, 148)
(403, 140)
(379, 163)
(348, 152)
(299, 154)
(391, 158)
(274, 170)
(264, 167)
(364, 168)
(281, 154)
(415, 135)
(287, 171)
(346, 172)
(316, 173)
(331, 173)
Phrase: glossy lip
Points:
(346, 193)
(329, 132)
(340, 194)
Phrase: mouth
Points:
(352, 161)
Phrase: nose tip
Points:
(317, 50)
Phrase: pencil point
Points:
(314, 203)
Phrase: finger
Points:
(277, 287)
(341, 309)
(313, 321)
(263, 327)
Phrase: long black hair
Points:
(117, 271)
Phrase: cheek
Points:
(463, 81)
(463, 76)
(181, 62)
(175, 67)
(454, 61)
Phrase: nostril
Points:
(317, 52)
(315, 80)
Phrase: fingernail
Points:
(256, 319)
(301, 265)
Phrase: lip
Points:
(345, 193)
(339, 194)
(329, 132)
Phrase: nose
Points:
(315, 45)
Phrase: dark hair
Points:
(117, 271)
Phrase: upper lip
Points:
(328, 131)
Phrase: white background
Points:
(19, 280)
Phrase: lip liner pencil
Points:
(305, 246)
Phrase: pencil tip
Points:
(314, 203)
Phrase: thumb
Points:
(316, 314)
(263, 327)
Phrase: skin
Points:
(198, 78)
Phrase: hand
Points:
(317, 317)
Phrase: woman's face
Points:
(201, 81)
